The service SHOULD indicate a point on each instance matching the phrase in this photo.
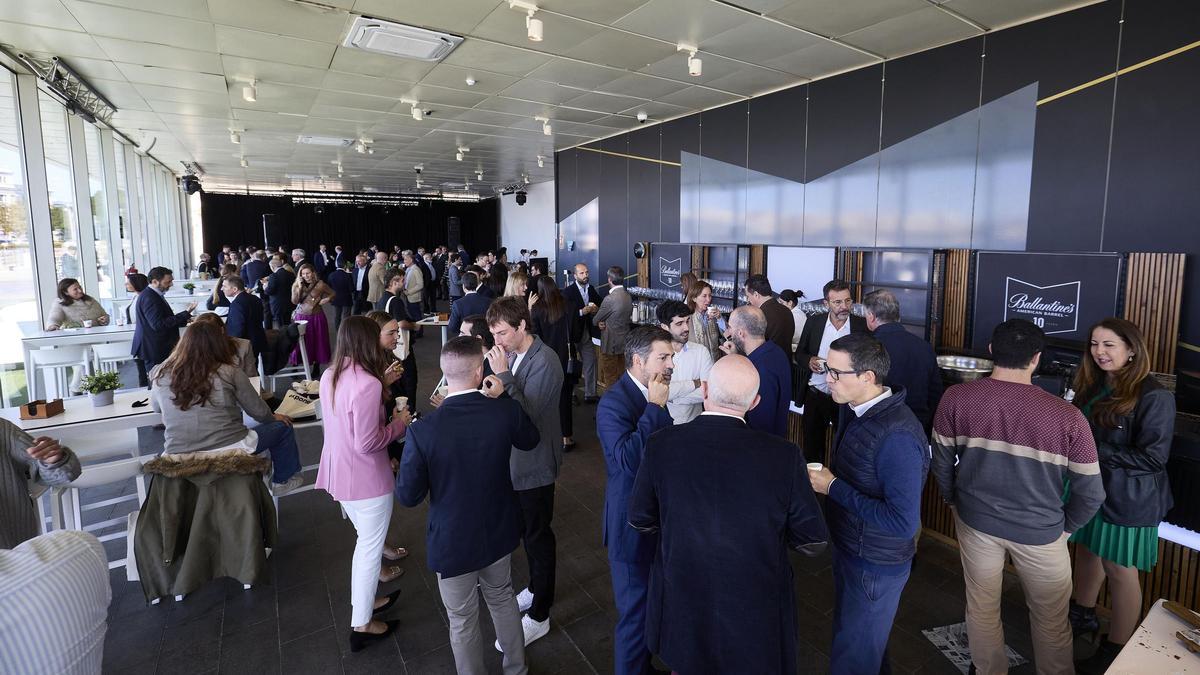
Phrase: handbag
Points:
(574, 363)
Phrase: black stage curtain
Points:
(238, 220)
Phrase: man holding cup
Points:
(874, 500)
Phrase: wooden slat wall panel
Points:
(1153, 295)
(758, 260)
(643, 272)
(954, 312)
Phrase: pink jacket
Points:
(354, 460)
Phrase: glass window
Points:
(18, 293)
(99, 201)
(146, 217)
(64, 224)
(126, 253)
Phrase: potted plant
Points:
(100, 388)
(189, 287)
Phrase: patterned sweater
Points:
(1002, 453)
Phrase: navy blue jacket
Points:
(458, 455)
(624, 422)
(774, 389)
(880, 461)
(254, 270)
(245, 320)
(723, 496)
(914, 367)
(471, 303)
(342, 283)
(157, 329)
(279, 295)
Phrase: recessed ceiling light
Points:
(470, 82)
(250, 92)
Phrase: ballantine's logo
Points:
(669, 271)
(1054, 308)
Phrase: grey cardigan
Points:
(537, 386)
(18, 518)
(215, 424)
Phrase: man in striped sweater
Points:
(1003, 452)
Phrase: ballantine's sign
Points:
(1054, 308)
(669, 271)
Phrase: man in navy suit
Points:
(582, 301)
(156, 329)
(245, 318)
(474, 517)
(278, 292)
(342, 284)
(717, 481)
(632, 409)
(472, 302)
(360, 284)
(321, 261)
(255, 269)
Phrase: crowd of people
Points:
(705, 493)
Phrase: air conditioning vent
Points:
(325, 140)
(395, 39)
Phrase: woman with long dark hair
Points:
(354, 466)
(75, 306)
(708, 326)
(202, 392)
(218, 299)
(550, 321)
(310, 295)
(1132, 418)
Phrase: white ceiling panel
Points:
(602, 102)
(239, 69)
(170, 77)
(50, 40)
(621, 50)
(602, 11)
(430, 96)
(486, 82)
(834, 18)
(698, 98)
(277, 98)
(690, 21)
(378, 65)
(560, 33)
(542, 92)
(138, 26)
(187, 9)
(759, 41)
(267, 46)
(907, 33)
(575, 73)
(154, 92)
(283, 18)
(642, 86)
(821, 59)
(751, 81)
(495, 58)
(47, 14)
(454, 16)
(146, 54)
(361, 101)
(1001, 14)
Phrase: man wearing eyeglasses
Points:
(813, 389)
(874, 500)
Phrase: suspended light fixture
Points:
(546, 129)
(245, 163)
(235, 137)
(541, 161)
(695, 65)
(250, 92)
(534, 29)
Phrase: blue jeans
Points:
(280, 440)
(864, 608)
(631, 582)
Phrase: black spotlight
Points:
(191, 184)
(521, 198)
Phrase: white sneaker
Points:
(534, 630)
(281, 489)
(524, 600)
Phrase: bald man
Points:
(723, 496)
(747, 335)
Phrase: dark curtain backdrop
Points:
(237, 220)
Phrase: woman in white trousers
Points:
(354, 467)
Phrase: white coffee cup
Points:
(87, 323)
(401, 403)
(815, 466)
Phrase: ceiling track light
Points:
(534, 29)
(245, 163)
(470, 81)
(250, 92)
(458, 155)
(417, 113)
(695, 65)
(235, 137)
(546, 128)
(541, 161)
(525, 179)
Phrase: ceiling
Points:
(176, 69)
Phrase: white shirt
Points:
(686, 401)
(800, 319)
(360, 275)
(517, 361)
(721, 414)
(862, 408)
(641, 387)
(818, 379)
(460, 393)
(583, 295)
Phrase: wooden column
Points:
(1153, 295)
(954, 300)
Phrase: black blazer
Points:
(279, 295)
(810, 344)
(342, 283)
(1133, 459)
(687, 493)
(458, 455)
(553, 333)
(245, 320)
(471, 303)
(576, 302)
(157, 329)
(254, 270)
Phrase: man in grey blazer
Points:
(532, 375)
(613, 319)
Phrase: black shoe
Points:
(567, 447)
(1083, 619)
(391, 600)
(1099, 662)
(360, 639)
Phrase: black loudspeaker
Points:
(453, 233)
(521, 198)
(272, 231)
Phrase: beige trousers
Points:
(1045, 573)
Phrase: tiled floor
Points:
(299, 623)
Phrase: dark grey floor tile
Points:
(190, 659)
(440, 661)
(304, 609)
(592, 636)
(251, 649)
(248, 607)
(200, 630)
(315, 653)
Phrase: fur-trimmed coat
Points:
(209, 515)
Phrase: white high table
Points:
(434, 321)
(1154, 647)
(35, 337)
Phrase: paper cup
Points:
(815, 466)
(87, 323)
(401, 403)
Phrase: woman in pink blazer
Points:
(354, 466)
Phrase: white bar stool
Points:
(58, 362)
(96, 475)
(107, 358)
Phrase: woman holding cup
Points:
(707, 324)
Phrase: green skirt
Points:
(1125, 546)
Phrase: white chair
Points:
(303, 371)
(107, 358)
(95, 475)
(58, 362)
